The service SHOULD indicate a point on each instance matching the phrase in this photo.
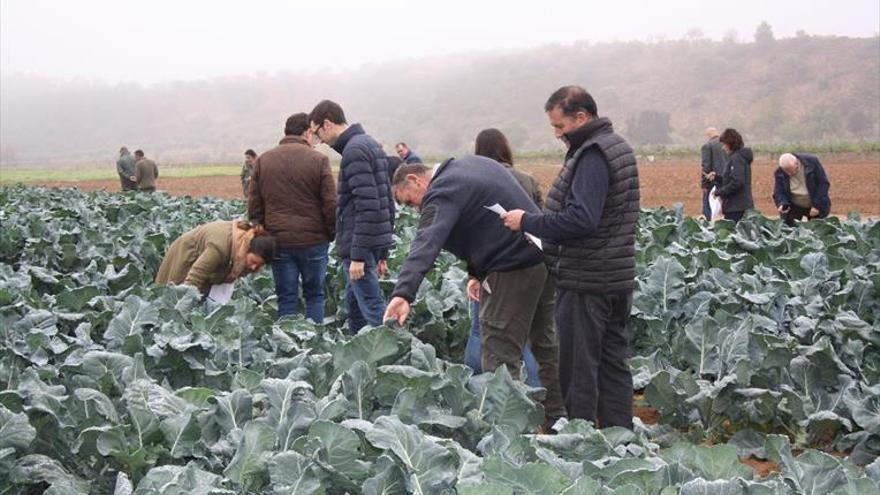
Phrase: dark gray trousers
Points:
(518, 309)
(594, 348)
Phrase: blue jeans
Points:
(472, 352)
(363, 298)
(289, 265)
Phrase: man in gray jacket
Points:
(713, 158)
(125, 169)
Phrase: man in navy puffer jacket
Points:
(364, 211)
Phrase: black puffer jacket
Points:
(736, 182)
(364, 206)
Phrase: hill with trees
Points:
(800, 89)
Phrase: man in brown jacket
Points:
(293, 195)
(145, 172)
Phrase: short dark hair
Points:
(327, 110)
(264, 247)
(139, 153)
(405, 169)
(571, 100)
(297, 124)
(493, 144)
(251, 153)
(401, 144)
(732, 139)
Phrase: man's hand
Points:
(473, 289)
(398, 309)
(783, 208)
(382, 268)
(710, 176)
(132, 178)
(356, 270)
(513, 219)
(813, 212)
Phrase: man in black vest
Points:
(507, 272)
(588, 232)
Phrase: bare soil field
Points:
(855, 184)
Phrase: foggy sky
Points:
(163, 40)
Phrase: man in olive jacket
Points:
(215, 253)
(125, 169)
(588, 231)
(293, 196)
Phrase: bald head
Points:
(789, 164)
(711, 132)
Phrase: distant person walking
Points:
(145, 172)
(246, 170)
(493, 144)
(294, 197)
(406, 154)
(801, 188)
(125, 169)
(713, 158)
(364, 212)
(736, 181)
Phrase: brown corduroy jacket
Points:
(293, 194)
(146, 172)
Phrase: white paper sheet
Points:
(496, 208)
(221, 293)
(714, 204)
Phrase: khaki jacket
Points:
(201, 257)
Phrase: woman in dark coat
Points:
(736, 180)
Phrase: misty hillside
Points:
(798, 89)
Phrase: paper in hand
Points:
(221, 293)
(496, 208)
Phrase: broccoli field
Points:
(751, 341)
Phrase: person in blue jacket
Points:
(364, 212)
(801, 188)
(406, 154)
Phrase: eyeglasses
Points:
(315, 131)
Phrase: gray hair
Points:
(787, 159)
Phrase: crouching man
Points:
(508, 275)
(801, 188)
